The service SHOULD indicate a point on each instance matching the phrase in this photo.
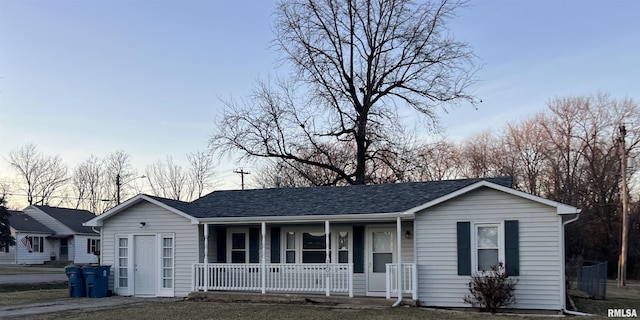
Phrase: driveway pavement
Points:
(33, 278)
(88, 304)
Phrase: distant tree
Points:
(200, 173)
(355, 63)
(41, 175)
(90, 185)
(168, 179)
(6, 239)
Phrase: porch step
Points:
(296, 298)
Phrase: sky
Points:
(90, 77)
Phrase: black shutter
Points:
(275, 245)
(464, 248)
(221, 244)
(254, 245)
(358, 249)
(41, 244)
(88, 245)
(512, 247)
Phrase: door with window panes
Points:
(381, 249)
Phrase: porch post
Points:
(327, 259)
(399, 240)
(263, 270)
(206, 257)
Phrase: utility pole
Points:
(622, 262)
(242, 173)
(117, 189)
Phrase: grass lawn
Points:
(14, 295)
(617, 298)
(231, 311)
(6, 270)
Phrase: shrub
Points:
(490, 290)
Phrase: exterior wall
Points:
(26, 257)
(10, 257)
(540, 280)
(158, 220)
(80, 248)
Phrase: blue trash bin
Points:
(96, 280)
(76, 281)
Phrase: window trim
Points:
(474, 243)
(93, 245)
(230, 249)
(162, 290)
(40, 244)
(129, 264)
(333, 242)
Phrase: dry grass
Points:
(617, 298)
(7, 270)
(231, 311)
(32, 296)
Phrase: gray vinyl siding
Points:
(80, 249)
(158, 221)
(540, 281)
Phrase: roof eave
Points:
(355, 217)
(98, 221)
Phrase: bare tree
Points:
(42, 175)
(168, 179)
(200, 173)
(357, 61)
(119, 174)
(90, 185)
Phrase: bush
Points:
(490, 290)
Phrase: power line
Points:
(242, 173)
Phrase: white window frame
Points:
(333, 251)
(474, 243)
(123, 290)
(230, 249)
(93, 245)
(164, 291)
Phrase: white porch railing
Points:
(408, 279)
(302, 277)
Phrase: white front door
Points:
(145, 265)
(381, 250)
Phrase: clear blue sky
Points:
(95, 76)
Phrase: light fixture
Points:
(142, 224)
(407, 235)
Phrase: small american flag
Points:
(27, 243)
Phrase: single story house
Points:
(419, 240)
(45, 233)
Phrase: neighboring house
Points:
(54, 234)
(31, 246)
(273, 240)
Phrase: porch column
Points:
(399, 241)
(263, 270)
(327, 259)
(206, 257)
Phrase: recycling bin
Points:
(76, 281)
(96, 280)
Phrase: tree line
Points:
(97, 184)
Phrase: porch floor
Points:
(297, 298)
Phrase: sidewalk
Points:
(88, 304)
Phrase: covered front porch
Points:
(357, 258)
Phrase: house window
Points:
(290, 247)
(343, 247)
(37, 243)
(167, 262)
(239, 247)
(123, 262)
(4, 248)
(488, 246)
(93, 246)
(313, 247)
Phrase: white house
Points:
(31, 246)
(275, 240)
(51, 233)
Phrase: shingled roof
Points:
(24, 223)
(332, 200)
(72, 218)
